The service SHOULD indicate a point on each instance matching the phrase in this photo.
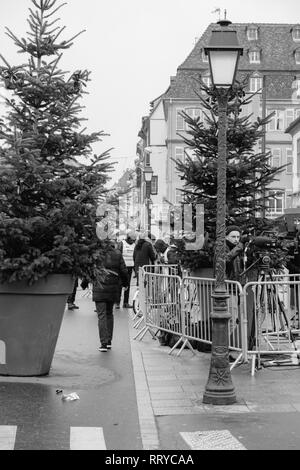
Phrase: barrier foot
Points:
(175, 345)
(186, 342)
(253, 364)
(143, 331)
(137, 324)
(236, 361)
(190, 347)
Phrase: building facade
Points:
(271, 61)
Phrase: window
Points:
(252, 33)
(297, 113)
(178, 196)
(255, 84)
(297, 56)
(289, 198)
(179, 154)
(154, 185)
(298, 156)
(190, 152)
(204, 56)
(147, 159)
(289, 115)
(276, 158)
(296, 33)
(297, 87)
(277, 121)
(289, 161)
(207, 80)
(193, 113)
(254, 57)
(179, 120)
(276, 202)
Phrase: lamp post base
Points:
(219, 389)
(215, 397)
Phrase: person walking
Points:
(143, 254)
(71, 298)
(128, 246)
(106, 292)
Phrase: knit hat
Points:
(232, 228)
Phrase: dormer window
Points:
(296, 33)
(252, 33)
(255, 83)
(207, 80)
(204, 56)
(297, 55)
(254, 57)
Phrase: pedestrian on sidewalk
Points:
(106, 292)
(128, 246)
(71, 298)
(143, 254)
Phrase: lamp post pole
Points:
(219, 388)
(223, 52)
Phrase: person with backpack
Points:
(106, 294)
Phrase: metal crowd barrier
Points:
(272, 312)
(197, 305)
(182, 307)
(264, 314)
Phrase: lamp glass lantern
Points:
(223, 53)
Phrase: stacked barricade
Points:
(272, 311)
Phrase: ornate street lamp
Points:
(223, 52)
(148, 173)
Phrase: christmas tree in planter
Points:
(48, 200)
(249, 172)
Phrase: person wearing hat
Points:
(234, 249)
(234, 268)
(143, 253)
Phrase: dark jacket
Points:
(234, 261)
(108, 289)
(143, 254)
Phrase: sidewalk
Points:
(171, 385)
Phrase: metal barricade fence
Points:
(264, 314)
(272, 310)
(183, 306)
(160, 303)
(197, 307)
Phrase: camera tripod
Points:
(271, 322)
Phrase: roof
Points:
(274, 41)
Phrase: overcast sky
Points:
(132, 47)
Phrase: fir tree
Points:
(48, 200)
(249, 173)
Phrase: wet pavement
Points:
(104, 383)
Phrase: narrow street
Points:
(34, 416)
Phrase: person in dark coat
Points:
(234, 253)
(143, 254)
(106, 294)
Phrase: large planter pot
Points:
(30, 320)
